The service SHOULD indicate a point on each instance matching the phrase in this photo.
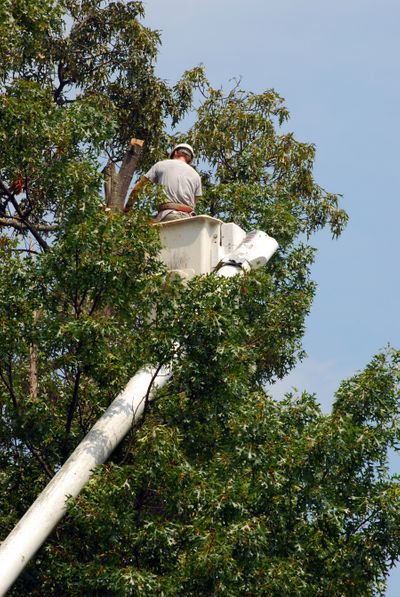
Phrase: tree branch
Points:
(62, 83)
(29, 226)
(74, 402)
(96, 301)
(33, 362)
(110, 176)
(30, 251)
(20, 225)
(10, 388)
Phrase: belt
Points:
(176, 207)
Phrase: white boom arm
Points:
(41, 518)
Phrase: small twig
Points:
(146, 399)
(40, 460)
(361, 524)
(147, 396)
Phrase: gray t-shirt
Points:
(181, 182)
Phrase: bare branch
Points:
(21, 225)
(31, 251)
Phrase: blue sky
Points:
(337, 66)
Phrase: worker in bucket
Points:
(181, 184)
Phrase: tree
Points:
(221, 490)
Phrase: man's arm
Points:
(198, 192)
(132, 197)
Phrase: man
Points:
(180, 182)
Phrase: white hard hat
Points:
(182, 146)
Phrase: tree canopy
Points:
(222, 490)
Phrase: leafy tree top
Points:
(222, 490)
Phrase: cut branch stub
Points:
(116, 184)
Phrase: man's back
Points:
(181, 182)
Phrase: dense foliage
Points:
(221, 491)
